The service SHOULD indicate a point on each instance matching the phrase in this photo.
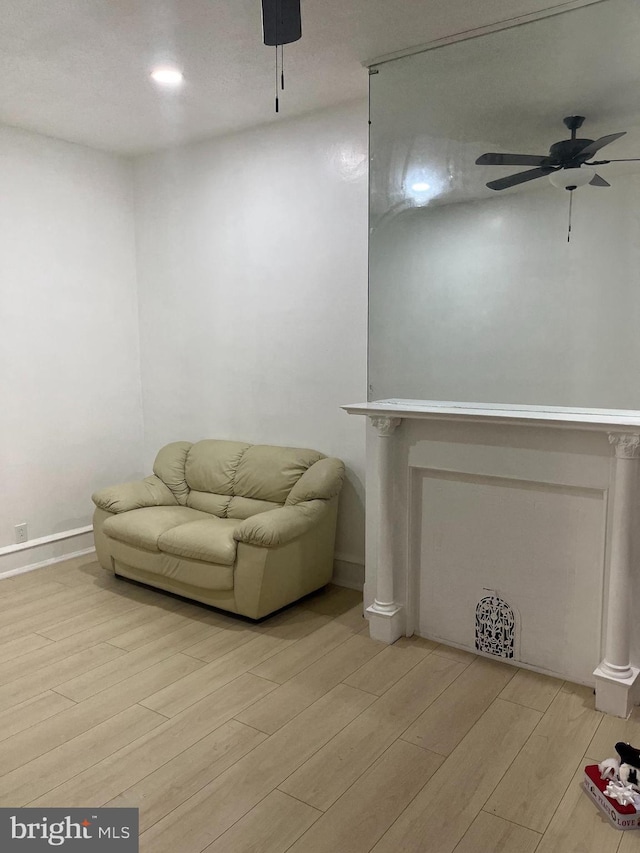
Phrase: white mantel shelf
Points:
(391, 502)
(502, 413)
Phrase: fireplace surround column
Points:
(385, 615)
(616, 677)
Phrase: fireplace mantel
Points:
(501, 413)
(535, 466)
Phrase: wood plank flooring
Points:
(298, 734)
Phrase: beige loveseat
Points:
(248, 528)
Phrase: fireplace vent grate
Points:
(495, 627)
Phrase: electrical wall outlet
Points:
(21, 533)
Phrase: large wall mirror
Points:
(476, 294)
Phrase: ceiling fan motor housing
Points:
(567, 152)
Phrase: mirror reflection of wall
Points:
(476, 294)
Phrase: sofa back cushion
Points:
(268, 473)
(232, 479)
(211, 465)
(240, 507)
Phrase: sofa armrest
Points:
(322, 481)
(148, 492)
(279, 526)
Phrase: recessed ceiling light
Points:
(420, 187)
(167, 75)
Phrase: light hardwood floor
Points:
(297, 734)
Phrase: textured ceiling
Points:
(78, 69)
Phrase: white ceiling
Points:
(78, 69)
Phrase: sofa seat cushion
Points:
(210, 540)
(196, 573)
(142, 528)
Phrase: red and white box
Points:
(622, 817)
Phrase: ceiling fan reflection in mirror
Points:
(568, 165)
(568, 155)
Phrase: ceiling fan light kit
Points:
(572, 177)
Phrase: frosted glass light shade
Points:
(574, 177)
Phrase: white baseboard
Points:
(45, 540)
(23, 569)
(348, 572)
(46, 551)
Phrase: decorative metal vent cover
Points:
(495, 627)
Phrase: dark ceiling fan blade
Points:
(600, 143)
(493, 159)
(518, 178)
(597, 181)
(624, 160)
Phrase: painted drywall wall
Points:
(69, 364)
(252, 275)
(487, 301)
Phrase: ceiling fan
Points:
(563, 164)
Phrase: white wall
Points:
(487, 301)
(69, 364)
(252, 272)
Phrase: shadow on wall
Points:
(351, 513)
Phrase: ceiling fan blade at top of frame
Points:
(495, 159)
(519, 178)
(600, 143)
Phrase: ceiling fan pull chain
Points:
(277, 22)
(282, 66)
(570, 208)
